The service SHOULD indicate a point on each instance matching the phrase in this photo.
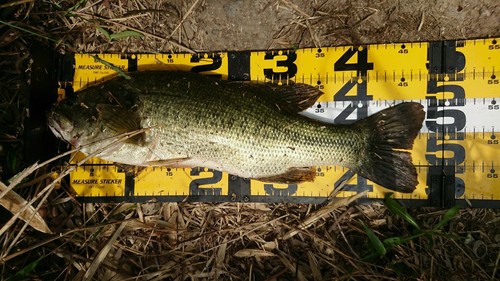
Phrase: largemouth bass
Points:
(254, 131)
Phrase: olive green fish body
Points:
(252, 131)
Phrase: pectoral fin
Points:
(293, 175)
(121, 120)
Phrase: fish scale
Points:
(278, 141)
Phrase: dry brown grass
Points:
(207, 241)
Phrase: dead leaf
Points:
(99, 258)
(271, 245)
(314, 217)
(14, 203)
(221, 254)
(245, 253)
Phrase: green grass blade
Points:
(375, 241)
(31, 32)
(125, 34)
(76, 6)
(23, 273)
(399, 210)
(104, 32)
(450, 214)
(394, 241)
(112, 66)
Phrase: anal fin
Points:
(174, 162)
(131, 169)
(293, 175)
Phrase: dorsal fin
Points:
(292, 98)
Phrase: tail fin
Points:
(389, 130)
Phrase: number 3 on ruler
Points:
(289, 63)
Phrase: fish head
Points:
(76, 124)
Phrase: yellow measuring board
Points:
(455, 153)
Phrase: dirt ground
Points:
(259, 25)
(246, 25)
(208, 241)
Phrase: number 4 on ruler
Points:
(361, 67)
